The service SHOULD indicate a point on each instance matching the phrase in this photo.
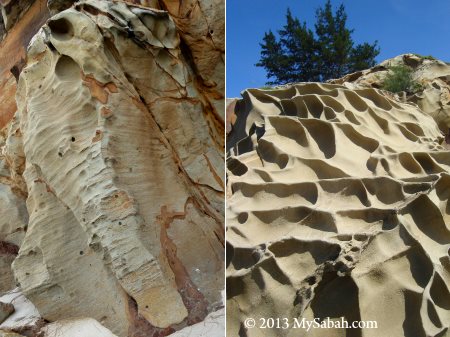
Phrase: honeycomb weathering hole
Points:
(61, 29)
(67, 69)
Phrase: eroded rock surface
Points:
(339, 208)
(117, 148)
(13, 44)
(431, 75)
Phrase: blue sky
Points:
(400, 26)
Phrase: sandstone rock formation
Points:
(433, 76)
(13, 43)
(338, 207)
(113, 165)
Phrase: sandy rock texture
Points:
(86, 327)
(432, 76)
(339, 207)
(28, 17)
(112, 166)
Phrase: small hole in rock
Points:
(61, 29)
(73, 139)
(60, 154)
(81, 252)
(67, 69)
(311, 280)
(360, 237)
(242, 217)
(51, 46)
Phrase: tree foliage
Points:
(301, 55)
(400, 78)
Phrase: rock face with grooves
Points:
(339, 208)
(432, 76)
(117, 148)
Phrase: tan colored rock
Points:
(7, 281)
(432, 74)
(338, 207)
(13, 223)
(14, 215)
(12, 53)
(203, 32)
(58, 270)
(230, 115)
(9, 334)
(86, 327)
(14, 219)
(56, 6)
(120, 149)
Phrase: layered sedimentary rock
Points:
(117, 148)
(339, 208)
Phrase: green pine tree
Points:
(299, 55)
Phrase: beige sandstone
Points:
(9, 334)
(433, 97)
(117, 148)
(338, 207)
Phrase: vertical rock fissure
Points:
(193, 299)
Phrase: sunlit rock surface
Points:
(113, 165)
(338, 207)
